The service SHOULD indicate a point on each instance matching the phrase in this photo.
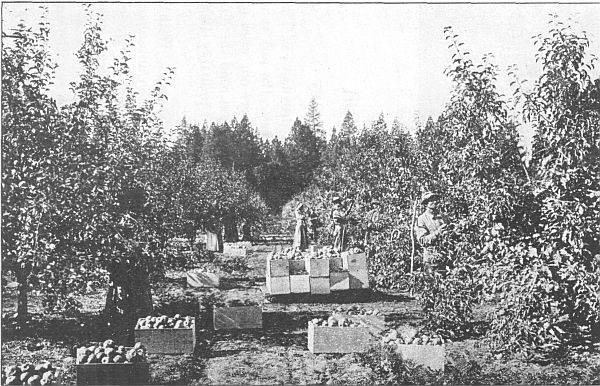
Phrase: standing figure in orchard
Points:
(430, 226)
(314, 225)
(371, 220)
(340, 214)
(301, 234)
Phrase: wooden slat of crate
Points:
(428, 356)
(199, 279)
(277, 268)
(317, 267)
(300, 284)
(319, 285)
(338, 339)
(297, 267)
(167, 340)
(354, 262)
(113, 374)
(237, 317)
(359, 280)
(279, 285)
(339, 281)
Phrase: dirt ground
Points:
(275, 354)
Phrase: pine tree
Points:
(348, 128)
(313, 119)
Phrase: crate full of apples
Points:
(338, 334)
(167, 335)
(424, 349)
(110, 364)
(29, 374)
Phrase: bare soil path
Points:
(276, 354)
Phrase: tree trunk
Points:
(23, 292)
(231, 233)
(129, 297)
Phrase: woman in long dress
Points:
(301, 233)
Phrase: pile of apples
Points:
(325, 253)
(163, 321)
(355, 250)
(334, 321)
(403, 336)
(355, 310)
(236, 303)
(108, 352)
(28, 374)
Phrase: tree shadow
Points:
(342, 297)
(71, 331)
(228, 283)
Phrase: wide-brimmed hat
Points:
(429, 196)
(336, 199)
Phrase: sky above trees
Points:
(270, 60)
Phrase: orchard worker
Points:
(314, 224)
(371, 220)
(430, 226)
(301, 234)
(341, 210)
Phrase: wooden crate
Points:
(341, 340)
(113, 373)
(339, 281)
(354, 262)
(319, 285)
(359, 280)
(168, 340)
(336, 264)
(199, 279)
(279, 285)
(297, 267)
(225, 318)
(300, 284)
(277, 268)
(234, 251)
(317, 267)
(433, 357)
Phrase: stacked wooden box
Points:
(317, 276)
(318, 272)
(358, 270)
(339, 279)
(299, 277)
(278, 277)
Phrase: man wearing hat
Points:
(340, 220)
(430, 226)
